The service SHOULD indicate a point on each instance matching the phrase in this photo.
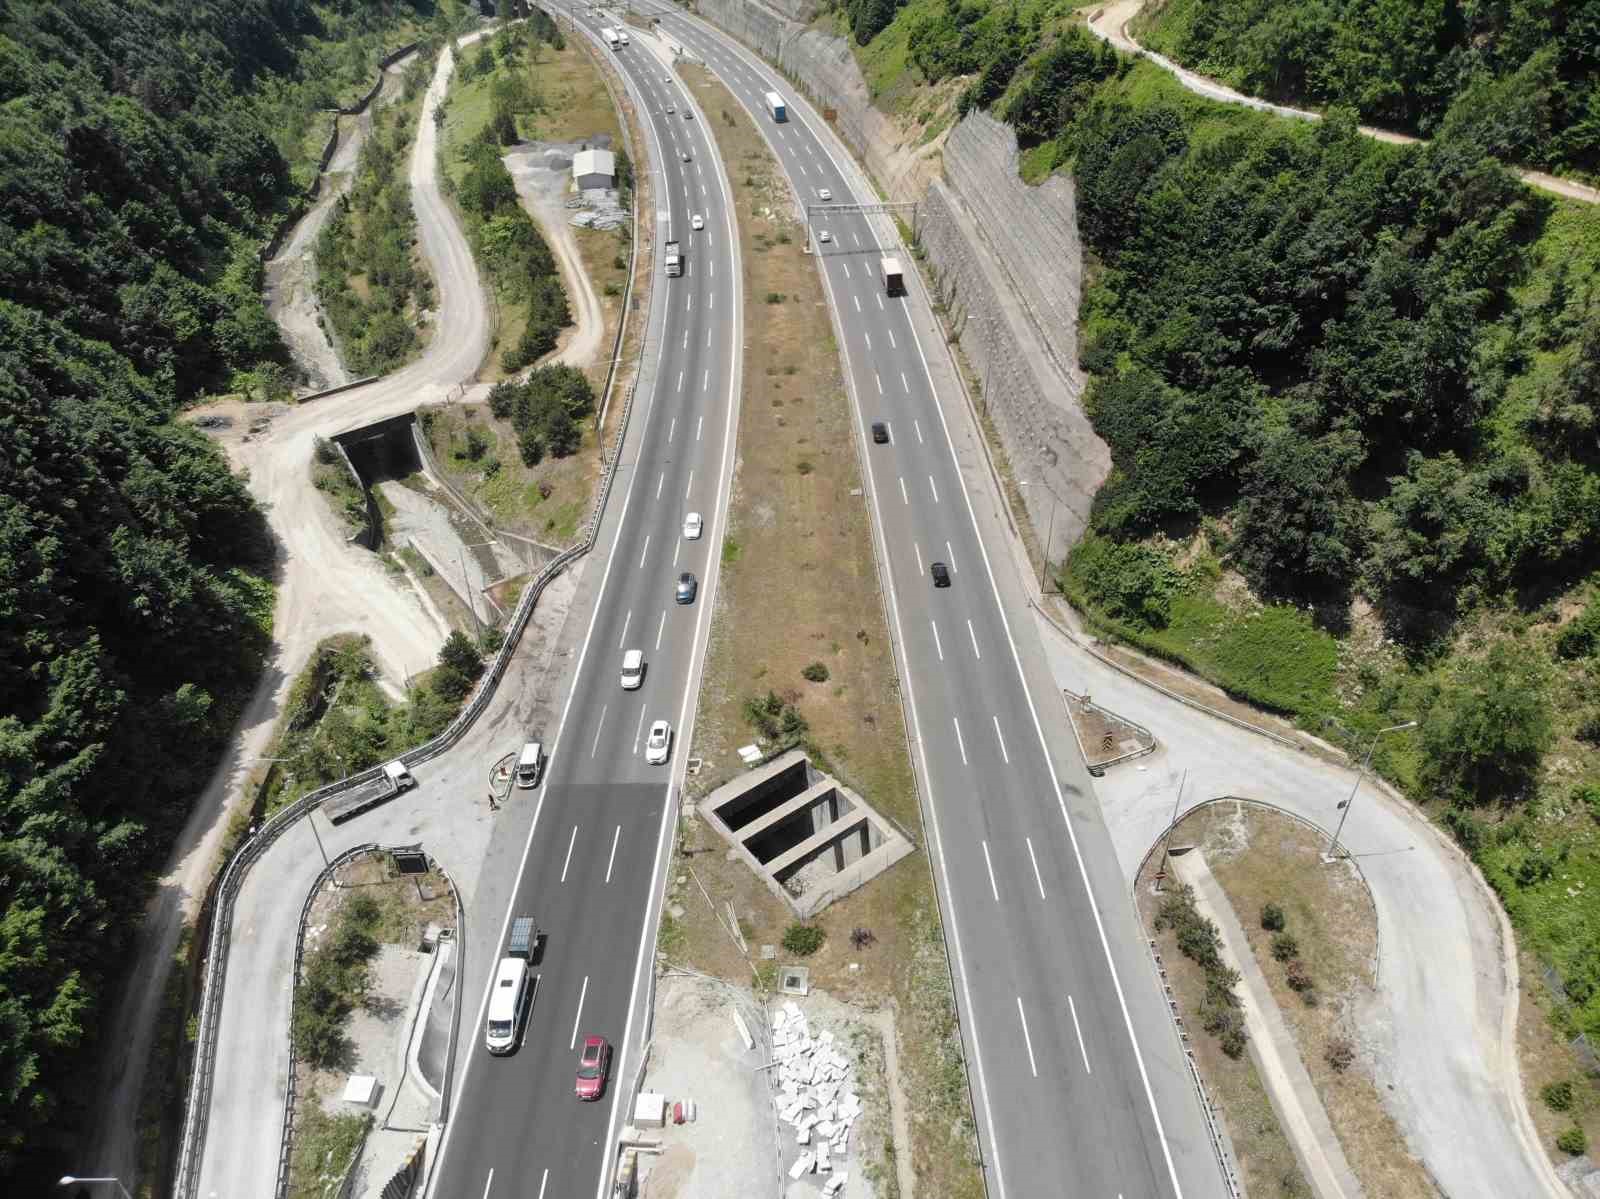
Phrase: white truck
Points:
(613, 38)
(894, 283)
(775, 107)
(672, 255)
(393, 779)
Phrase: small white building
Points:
(594, 169)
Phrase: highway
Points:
(1063, 1088)
(590, 872)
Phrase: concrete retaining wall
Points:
(1005, 256)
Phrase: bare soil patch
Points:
(800, 586)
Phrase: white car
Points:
(693, 526)
(824, 235)
(659, 743)
(697, 221)
(824, 194)
(632, 669)
(671, 108)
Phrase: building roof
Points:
(594, 162)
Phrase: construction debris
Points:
(814, 1095)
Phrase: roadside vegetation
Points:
(145, 170)
(1529, 68)
(495, 91)
(773, 625)
(338, 721)
(371, 281)
(1350, 389)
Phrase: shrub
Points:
(803, 940)
(1298, 976)
(817, 672)
(477, 444)
(1285, 946)
(775, 297)
(461, 655)
(860, 938)
(1574, 1141)
(804, 467)
(1272, 917)
(1578, 638)
(1557, 1096)
(1339, 1054)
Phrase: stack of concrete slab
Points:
(815, 1095)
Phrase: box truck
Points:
(776, 107)
(894, 283)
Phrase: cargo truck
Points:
(524, 938)
(673, 256)
(775, 106)
(611, 36)
(894, 283)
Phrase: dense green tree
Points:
(1487, 728)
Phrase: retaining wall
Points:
(1004, 255)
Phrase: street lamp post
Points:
(69, 1180)
(1366, 763)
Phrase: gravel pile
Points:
(814, 1095)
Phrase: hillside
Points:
(1533, 66)
(1350, 391)
(148, 150)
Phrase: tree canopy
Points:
(1529, 67)
(140, 174)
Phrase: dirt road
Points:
(324, 586)
(1111, 24)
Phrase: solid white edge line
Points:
(959, 973)
(691, 691)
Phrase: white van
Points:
(508, 1002)
(632, 669)
(530, 765)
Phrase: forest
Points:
(142, 169)
(1405, 65)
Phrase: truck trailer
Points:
(894, 283)
(776, 107)
(673, 256)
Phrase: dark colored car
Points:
(594, 1067)
(687, 586)
(941, 574)
(880, 432)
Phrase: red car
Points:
(594, 1066)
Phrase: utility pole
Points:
(1332, 852)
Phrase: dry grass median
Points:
(799, 614)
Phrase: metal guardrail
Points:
(197, 1109)
(294, 979)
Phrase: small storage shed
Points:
(594, 169)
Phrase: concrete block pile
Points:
(815, 1096)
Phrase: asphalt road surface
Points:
(590, 873)
(1063, 1091)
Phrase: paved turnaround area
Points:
(590, 870)
(1053, 981)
